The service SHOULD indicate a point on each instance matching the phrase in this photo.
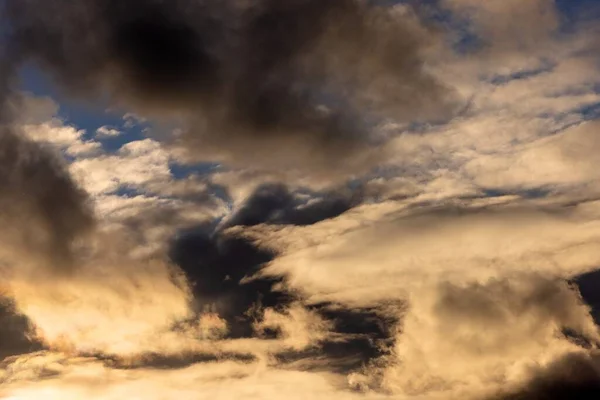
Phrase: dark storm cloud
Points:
(42, 210)
(15, 332)
(589, 287)
(216, 264)
(277, 204)
(239, 73)
(219, 262)
(573, 377)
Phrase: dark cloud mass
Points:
(588, 286)
(575, 376)
(244, 76)
(43, 210)
(216, 264)
(219, 262)
(221, 266)
(280, 84)
(277, 204)
(14, 331)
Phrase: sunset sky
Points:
(299, 199)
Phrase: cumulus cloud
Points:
(38, 119)
(137, 163)
(107, 131)
(453, 325)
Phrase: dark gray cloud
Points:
(574, 377)
(277, 204)
(43, 210)
(268, 76)
(216, 264)
(15, 331)
(219, 262)
(589, 287)
(161, 361)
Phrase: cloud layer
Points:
(243, 79)
(300, 199)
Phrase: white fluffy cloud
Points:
(136, 163)
(107, 131)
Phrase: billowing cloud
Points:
(43, 211)
(218, 254)
(16, 334)
(136, 164)
(246, 79)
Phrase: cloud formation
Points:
(245, 79)
(464, 266)
(43, 211)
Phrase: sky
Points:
(299, 199)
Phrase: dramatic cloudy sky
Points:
(299, 199)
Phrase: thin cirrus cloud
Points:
(380, 200)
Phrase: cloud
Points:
(16, 336)
(559, 161)
(489, 334)
(462, 267)
(131, 119)
(89, 378)
(507, 36)
(85, 317)
(152, 221)
(476, 285)
(276, 204)
(260, 75)
(37, 118)
(106, 131)
(137, 163)
(299, 327)
(216, 265)
(510, 24)
(63, 137)
(375, 252)
(575, 376)
(43, 211)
